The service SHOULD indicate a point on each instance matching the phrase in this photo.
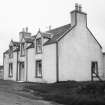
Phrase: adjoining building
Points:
(69, 52)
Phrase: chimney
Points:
(24, 34)
(26, 29)
(77, 16)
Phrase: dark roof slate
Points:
(57, 33)
(31, 46)
(15, 43)
(46, 35)
(29, 40)
(6, 52)
(17, 49)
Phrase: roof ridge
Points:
(58, 27)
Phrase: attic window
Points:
(22, 49)
(11, 52)
(38, 45)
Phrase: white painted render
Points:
(49, 63)
(76, 52)
(104, 65)
(32, 67)
(6, 66)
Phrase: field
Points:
(70, 92)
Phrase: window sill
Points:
(22, 55)
(10, 57)
(10, 76)
(40, 77)
(38, 52)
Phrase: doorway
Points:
(21, 71)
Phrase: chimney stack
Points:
(24, 34)
(78, 17)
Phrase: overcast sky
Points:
(35, 14)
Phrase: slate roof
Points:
(29, 40)
(16, 43)
(31, 46)
(6, 52)
(46, 35)
(57, 33)
(17, 49)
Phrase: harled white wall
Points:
(31, 73)
(104, 65)
(6, 66)
(49, 63)
(76, 52)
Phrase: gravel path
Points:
(13, 99)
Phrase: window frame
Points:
(22, 49)
(10, 51)
(95, 67)
(94, 70)
(38, 46)
(37, 74)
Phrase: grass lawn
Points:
(70, 92)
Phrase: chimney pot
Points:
(49, 27)
(26, 29)
(76, 6)
(23, 30)
(80, 8)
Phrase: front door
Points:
(21, 71)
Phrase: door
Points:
(21, 71)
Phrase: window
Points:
(10, 74)
(38, 45)
(22, 49)
(39, 69)
(11, 52)
(94, 70)
(94, 67)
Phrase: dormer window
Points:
(11, 52)
(22, 49)
(38, 45)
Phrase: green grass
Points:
(70, 93)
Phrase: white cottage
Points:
(69, 52)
